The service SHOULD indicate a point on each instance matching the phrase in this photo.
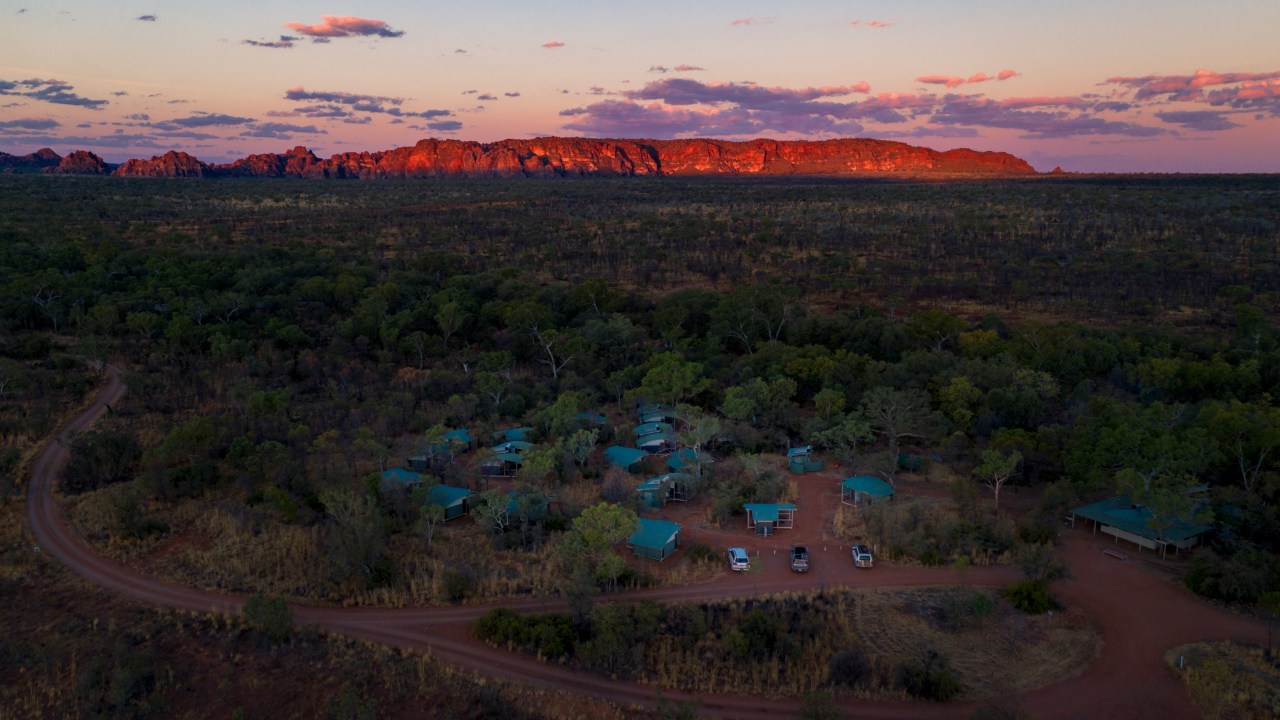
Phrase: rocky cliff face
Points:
(574, 157)
(81, 162)
(171, 164)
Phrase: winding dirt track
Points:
(1139, 613)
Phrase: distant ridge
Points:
(562, 157)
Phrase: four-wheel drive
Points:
(800, 558)
(862, 556)
(738, 559)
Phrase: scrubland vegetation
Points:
(285, 342)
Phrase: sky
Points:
(1088, 86)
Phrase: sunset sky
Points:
(1128, 86)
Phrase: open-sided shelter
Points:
(767, 517)
(864, 488)
(655, 539)
(1124, 519)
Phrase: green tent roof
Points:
(400, 476)
(867, 485)
(519, 433)
(1121, 512)
(685, 457)
(767, 512)
(447, 495)
(623, 456)
(654, 534)
(461, 435)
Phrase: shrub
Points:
(269, 616)
(928, 678)
(456, 585)
(1030, 596)
(700, 553)
(849, 667)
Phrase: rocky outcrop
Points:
(38, 161)
(171, 164)
(574, 157)
(81, 162)
(581, 157)
(294, 163)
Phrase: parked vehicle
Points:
(862, 556)
(799, 558)
(739, 560)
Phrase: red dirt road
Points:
(1140, 613)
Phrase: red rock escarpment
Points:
(571, 157)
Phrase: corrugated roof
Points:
(1121, 512)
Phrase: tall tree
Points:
(996, 469)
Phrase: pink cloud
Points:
(873, 24)
(344, 26)
(948, 80)
(752, 21)
(1186, 87)
(952, 81)
(553, 44)
(687, 68)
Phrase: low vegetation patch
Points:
(1228, 680)
(932, 644)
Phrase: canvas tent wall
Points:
(800, 460)
(624, 457)
(655, 539)
(452, 499)
(767, 517)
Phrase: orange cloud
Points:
(1006, 74)
(553, 44)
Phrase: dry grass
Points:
(1228, 680)
(1003, 652)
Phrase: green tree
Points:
(358, 532)
(672, 379)
(897, 414)
(996, 469)
(592, 536)
(844, 438)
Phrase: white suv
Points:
(739, 560)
